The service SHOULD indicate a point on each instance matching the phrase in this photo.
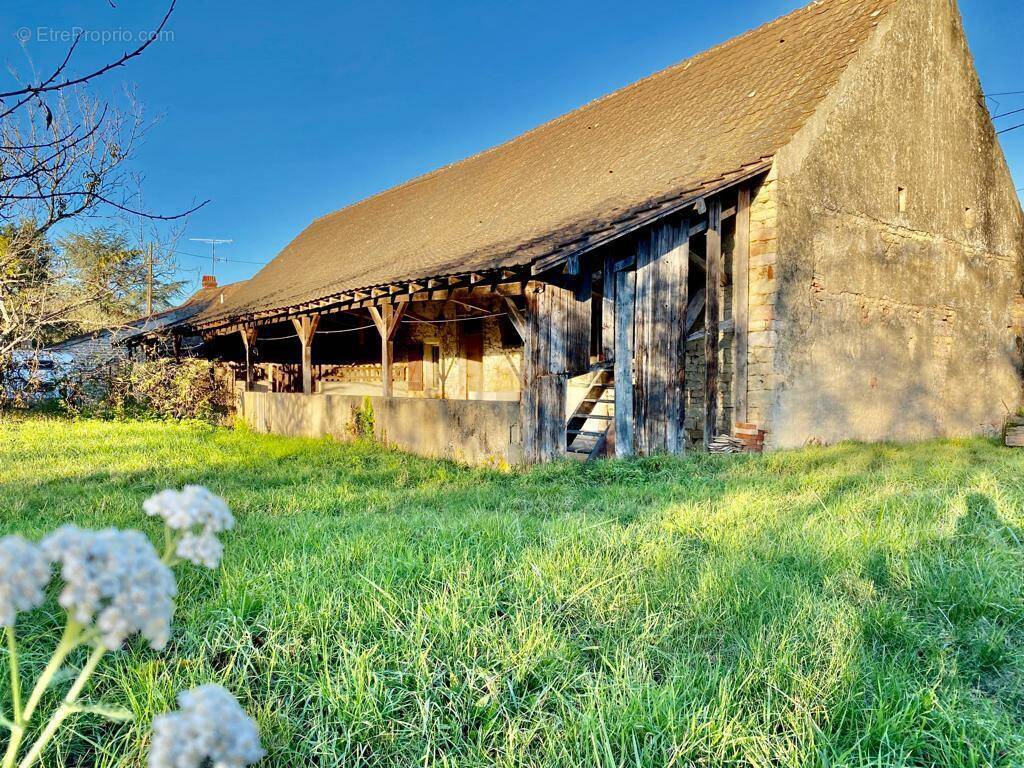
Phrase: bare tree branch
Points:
(49, 85)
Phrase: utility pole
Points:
(149, 282)
(213, 242)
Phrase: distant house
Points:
(808, 233)
(93, 350)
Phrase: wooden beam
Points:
(584, 285)
(378, 320)
(694, 309)
(387, 318)
(305, 327)
(515, 315)
(608, 309)
(662, 271)
(625, 293)
(740, 305)
(396, 318)
(712, 302)
(680, 206)
(249, 342)
(723, 329)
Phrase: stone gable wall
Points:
(897, 252)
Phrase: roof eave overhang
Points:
(423, 288)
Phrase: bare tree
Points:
(64, 155)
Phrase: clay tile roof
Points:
(690, 127)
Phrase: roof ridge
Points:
(730, 106)
(664, 72)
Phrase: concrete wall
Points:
(471, 431)
(893, 314)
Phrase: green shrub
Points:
(363, 421)
(189, 389)
(162, 388)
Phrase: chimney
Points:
(209, 281)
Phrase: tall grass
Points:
(850, 606)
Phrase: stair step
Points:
(584, 433)
(597, 400)
(583, 449)
(593, 416)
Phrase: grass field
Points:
(829, 607)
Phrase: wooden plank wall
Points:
(556, 346)
(740, 305)
(662, 269)
(608, 284)
(625, 293)
(712, 302)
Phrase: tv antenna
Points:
(213, 242)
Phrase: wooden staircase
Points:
(586, 432)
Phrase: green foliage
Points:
(847, 606)
(188, 389)
(24, 255)
(162, 388)
(103, 257)
(363, 421)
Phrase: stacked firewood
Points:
(727, 444)
(748, 439)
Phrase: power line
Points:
(220, 258)
(213, 242)
(1005, 93)
(1012, 128)
(1007, 114)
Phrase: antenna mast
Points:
(213, 242)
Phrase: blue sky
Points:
(282, 112)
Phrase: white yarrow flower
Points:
(211, 728)
(200, 514)
(114, 580)
(24, 574)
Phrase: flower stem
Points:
(65, 709)
(12, 658)
(68, 642)
(171, 541)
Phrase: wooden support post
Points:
(387, 318)
(305, 327)
(249, 342)
(662, 269)
(608, 280)
(740, 306)
(556, 346)
(625, 291)
(515, 315)
(712, 294)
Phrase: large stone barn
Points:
(808, 233)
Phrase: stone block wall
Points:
(900, 241)
(762, 328)
(763, 323)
